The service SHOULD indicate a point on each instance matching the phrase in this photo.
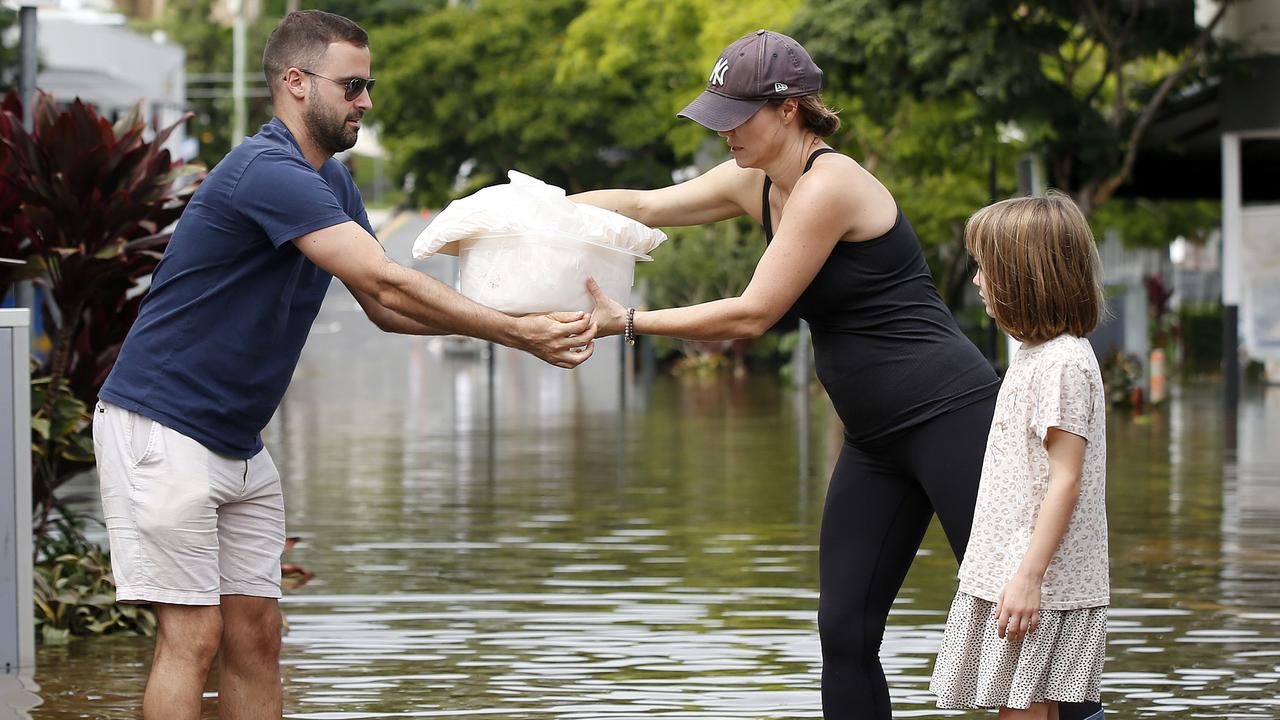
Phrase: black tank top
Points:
(886, 347)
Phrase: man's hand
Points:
(564, 339)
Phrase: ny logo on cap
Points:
(717, 72)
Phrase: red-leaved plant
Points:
(88, 205)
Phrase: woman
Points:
(915, 396)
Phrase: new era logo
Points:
(717, 72)
(780, 87)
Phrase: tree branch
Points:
(1102, 80)
(1100, 23)
(1114, 60)
(1108, 187)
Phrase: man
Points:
(192, 500)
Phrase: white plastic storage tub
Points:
(541, 271)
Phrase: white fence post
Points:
(17, 623)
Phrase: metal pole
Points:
(1231, 270)
(800, 380)
(24, 293)
(491, 380)
(800, 357)
(240, 113)
(30, 62)
(992, 330)
(623, 351)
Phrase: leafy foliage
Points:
(368, 13)
(10, 60)
(701, 264)
(705, 263)
(649, 59)
(1080, 80)
(75, 594)
(1200, 336)
(1146, 223)
(208, 46)
(87, 205)
(62, 440)
(1122, 379)
(582, 94)
(208, 43)
(941, 163)
(474, 86)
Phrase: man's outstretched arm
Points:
(351, 254)
(389, 320)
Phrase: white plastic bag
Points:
(528, 205)
(525, 247)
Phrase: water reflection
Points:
(535, 547)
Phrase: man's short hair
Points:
(301, 40)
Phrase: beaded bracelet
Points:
(629, 333)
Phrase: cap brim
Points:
(720, 113)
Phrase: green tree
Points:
(938, 158)
(936, 151)
(644, 61)
(205, 34)
(1082, 80)
(368, 13)
(1148, 223)
(475, 86)
(10, 51)
(206, 37)
(582, 93)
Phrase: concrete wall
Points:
(114, 68)
(1255, 23)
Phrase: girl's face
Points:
(981, 281)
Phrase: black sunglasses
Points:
(355, 86)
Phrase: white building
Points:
(87, 52)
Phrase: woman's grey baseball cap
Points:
(749, 73)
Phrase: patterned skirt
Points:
(1061, 660)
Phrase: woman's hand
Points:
(1018, 612)
(609, 317)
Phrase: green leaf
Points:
(50, 635)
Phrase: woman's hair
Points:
(819, 118)
(1041, 266)
(301, 40)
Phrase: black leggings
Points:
(878, 506)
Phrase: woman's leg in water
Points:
(874, 520)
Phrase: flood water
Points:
(570, 547)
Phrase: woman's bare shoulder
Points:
(842, 184)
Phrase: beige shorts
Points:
(186, 525)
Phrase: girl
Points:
(1027, 629)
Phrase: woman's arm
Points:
(718, 194)
(815, 220)
(1021, 596)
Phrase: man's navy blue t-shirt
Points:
(232, 301)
